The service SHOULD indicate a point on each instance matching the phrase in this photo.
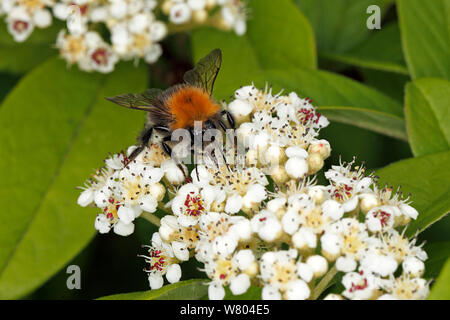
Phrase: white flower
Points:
(377, 263)
(93, 186)
(99, 14)
(86, 198)
(102, 223)
(116, 161)
(280, 276)
(406, 288)
(333, 296)
(42, 18)
(304, 239)
(318, 265)
(243, 188)
(413, 266)
(270, 293)
(233, 13)
(246, 92)
(182, 239)
(359, 286)
(162, 261)
(171, 171)
(348, 185)
(190, 203)
(266, 225)
(225, 271)
(345, 264)
(158, 30)
(196, 4)
(380, 218)
(240, 284)
(297, 290)
(244, 259)
(305, 271)
(240, 108)
(126, 215)
(221, 234)
(20, 24)
(347, 237)
(180, 13)
(333, 209)
(123, 229)
(101, 58)
(76, 23)
(135, 181)
(216, 291)
(296, 167)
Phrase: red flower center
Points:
(100, 56)
(20, 26)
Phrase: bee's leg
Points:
(144, 139)
(191, 132)
(162, 128)
(222, 125)
(135, 153)
(232, 123)
(167, 149)
(230, 118)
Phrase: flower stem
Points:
(323, 284)
(151, 218)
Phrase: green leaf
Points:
(281, 35)
(425, 29)
(242, 67)
(428, 181)
(56, 127)
(438, 253)
(441, 289)
(391, 84)
(428, 115)
(339, 25)
(368, 54)
(184, 290)
(377, 121)
(21, 57)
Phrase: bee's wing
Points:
(205, 72)
(145, 101)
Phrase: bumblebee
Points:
(180, 105)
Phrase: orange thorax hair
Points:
(190, 104)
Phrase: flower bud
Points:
(274, 155)
(200, 16)
(318, 265)
(157, 191)
(296, 167)
(321, 147)
(315, 163)
(166, 6)
(279, 174)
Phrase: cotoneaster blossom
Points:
(134, 28)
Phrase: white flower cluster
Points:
(267, 223)
(124, 189)
(135, 27)
(280, 133)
